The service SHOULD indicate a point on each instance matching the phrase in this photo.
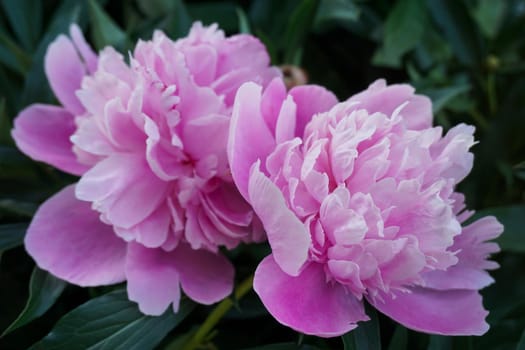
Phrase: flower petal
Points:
(451, 312)
(153, 280)
(42, 132)
(249, 137)
(65, 70)
(67, 239)
(307, 303)
(205, 277)
(287, 235)
(310, 100)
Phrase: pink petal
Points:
(42, 132)
(310, 100)
(205, 277)
(67, 239)
(307, 303)
(249, 138)
(65, 70)
(452, 312)
(153, 280)
(386, 99)
(124, 197)
(288, 237)
(86, 52)
(272, 99)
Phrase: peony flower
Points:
(358, 201)
(155, 199)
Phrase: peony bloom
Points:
(155, 199)
(358, 201)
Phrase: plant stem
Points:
(215, 316)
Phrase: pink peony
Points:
(155, 200)
(358, 200)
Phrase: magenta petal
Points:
(310, 100)
(205, 277)
(67, 239)
(287, 235)
(42, 132)
(452, 312)
(65, 70)
(249, 138)
(307, 303)
(153, 280)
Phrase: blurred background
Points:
(467, 55)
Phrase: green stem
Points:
(215, 316)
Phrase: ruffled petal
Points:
(65, 70)
(307, 303)
(249, 138)
(287, 235)
(310, 100)
(205, 277)
(451, 312)
(42, 132)
(67, 239)
(153, 280)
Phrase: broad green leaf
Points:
(104, 30)
(513, 219)
(442, 96)
(458, 27)
(112, 322)
(156, 8)
(25, 18)
(244, 23)
(399, 339)
(20, 208)
(403, 30)
(44, 290)
(366, 336)
(489, 15)
(336, 11)
(298, 28)
(11, 235)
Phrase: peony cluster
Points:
(194, 145)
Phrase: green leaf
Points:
(156, 8)
(298, 28)
(442, 96)
(25, 18)
(458, 27)
(403, 30)
(489, 15)
(366, 336)
(513, 219)
(104, 30)
(336, 12)
(244, 23)
(399, 339)
(44, 290)
(112, 322)
(11, 236)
